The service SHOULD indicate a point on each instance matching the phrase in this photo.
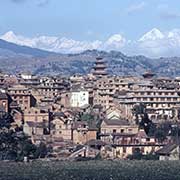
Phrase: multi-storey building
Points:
(22, 96)
(160, 103)
(106, 87)
(79, 98)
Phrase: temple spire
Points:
(99, 69)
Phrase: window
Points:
(114, 130)
(122, 130)
(4, 103)
(124, 149)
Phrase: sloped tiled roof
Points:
(166, 150)
(116, 122)
(13, 104)
(59, 114)
(141, 134)
(94, 142)
(35, 124)
(3, 96)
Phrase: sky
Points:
(88, 20)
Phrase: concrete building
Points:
(79, 98)
(160, 103)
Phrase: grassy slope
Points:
(96, 170)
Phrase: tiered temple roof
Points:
(100, 67)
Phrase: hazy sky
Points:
(88, 19)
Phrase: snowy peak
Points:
(9, 36)
(153, 43)
(115, 42)
(152, 35)
(51, 43)
(115, 38)
(174, 34)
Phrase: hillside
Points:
(15, 58)
(14, 49)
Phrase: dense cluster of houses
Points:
(88, 115)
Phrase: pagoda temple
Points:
(148, 75)
(99, 69)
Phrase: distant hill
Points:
(15, 58)
(22, 50)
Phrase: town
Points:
(95, 115)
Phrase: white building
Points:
(26, 76)
(79, 98)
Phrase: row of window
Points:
(117, 130)
(157, 99)
(156, 93)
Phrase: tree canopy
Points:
(14, 144)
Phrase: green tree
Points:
(87, 117)
(142, 118)
(146, 123)
(137, 155)
(41, 151)
(5, 120)
(160, 135)
(14, 144)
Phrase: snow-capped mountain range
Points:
(153, 43)
(152, 35)
(62, 44)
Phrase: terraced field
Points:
(91, 170)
